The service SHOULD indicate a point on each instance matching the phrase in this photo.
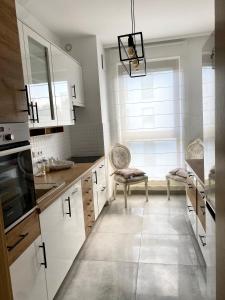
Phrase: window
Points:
(151, 119)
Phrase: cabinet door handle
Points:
(190, 208)
(21, 237)
(202, 237)
(27, 99)
(96, 177)
(74, 91)
(37, 114)
(69, 206)
(102, 190)
(44, 255)
(32, 105)
(74, 114)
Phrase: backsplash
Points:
(53, 145)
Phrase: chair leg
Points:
(114, 190)
(129, 190)
(168, 188)
(146, 189)
(125, 195)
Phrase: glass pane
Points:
(40, 78)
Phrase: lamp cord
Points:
(132, 16)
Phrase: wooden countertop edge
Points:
(48, 200)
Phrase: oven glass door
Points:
(17, 193)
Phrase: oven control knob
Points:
(9, 137)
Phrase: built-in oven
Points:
(17, 193)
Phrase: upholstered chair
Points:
(195, 150)
(120, 158)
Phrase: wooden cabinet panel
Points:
(22, 235)
(13, 104)
(28, 274)
(88, 203)
(201, 209)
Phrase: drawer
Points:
(22, 236)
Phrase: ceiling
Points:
(157, 19)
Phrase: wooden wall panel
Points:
(220, 145)
(12, 99)
(5, 283)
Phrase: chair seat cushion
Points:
(179, 172)
(176, 178)
(122, 179)
(129, 172)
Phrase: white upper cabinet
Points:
(28, 274)
(62, 88)
(54, 81)
(39, 77)
(76, 81)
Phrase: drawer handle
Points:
(190, 208)
(89, 177)
(22, 237)
(202, 194)
(190, 186)
(69, 206)
(202, 209)
(202, 241)
(102, 190)
(74, 192)
(44, 255)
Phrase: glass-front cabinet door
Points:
(39, 77)
(62, 86)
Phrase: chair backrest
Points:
(120, 157)
(195, 150)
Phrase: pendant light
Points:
(131, 50)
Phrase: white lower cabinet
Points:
(211, 255)
(28, 274)
(191, 215)
(63, 231)
(99, 187)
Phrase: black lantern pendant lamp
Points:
(131, 50)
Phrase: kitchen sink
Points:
(45, 189)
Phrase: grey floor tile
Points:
(112, 247)
(170, 249)
(165, 224)
(119, 223)
(170, 282)
(96, 280)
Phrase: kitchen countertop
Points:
(65, 178)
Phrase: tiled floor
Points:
(146, 252)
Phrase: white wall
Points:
(27, 18)
(87, 134)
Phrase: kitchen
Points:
(65, 102)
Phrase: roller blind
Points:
(151, 119)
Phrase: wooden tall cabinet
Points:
(13, 105)
(220, 146)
